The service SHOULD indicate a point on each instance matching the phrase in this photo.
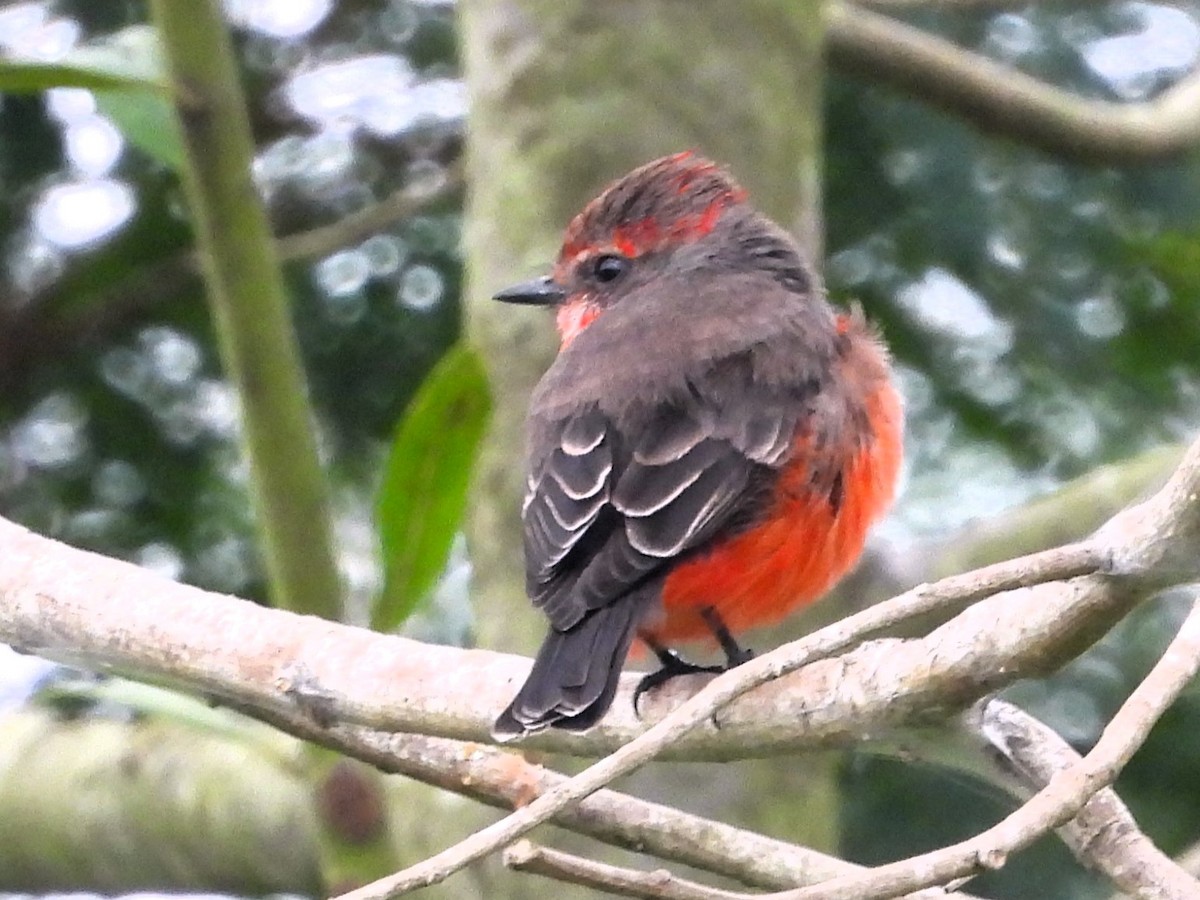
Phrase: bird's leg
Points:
(735, 655)
(672, 666)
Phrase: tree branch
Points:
(1067, 792)
(87, 609)
(508, 780)
(660, 884)
(1189, 859)
(1001, 101)
(250, 309)
(83, 607)
(1104, 835)
(369, 220)
(66, 603)
(963, 5)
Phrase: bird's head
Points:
(672, 214)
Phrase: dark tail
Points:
(574, 676)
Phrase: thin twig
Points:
(972, 6)
(700, 708)
(508, 780)
(1011, 104)
(1062, 798)
(356, 226)
(113, 615)
(153, 283)
(659, 884)
(1104, 835)
(1179, 518)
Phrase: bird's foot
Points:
(735, 654)
(673, 665)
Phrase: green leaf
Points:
(147, 121)
(126, 59)
(125, 71)
(424, 491)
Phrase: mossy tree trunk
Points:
(566, 95)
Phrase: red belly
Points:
(802, 547)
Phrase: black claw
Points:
(673, 665)
(734, 654)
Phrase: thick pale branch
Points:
(1104, 835)
(67, 603)
(87, 609)
(1002, 101)
(1067, 792)
(1189, 859)
(508, 780)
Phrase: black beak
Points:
(538, 292)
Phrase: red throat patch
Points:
(574, 316)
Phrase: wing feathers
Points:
(581, 476)
(581, 434)
(644, 490)
(670, 435)
(613, 571)
(766, 438)
(563, 503)
(611, 501)
(550, 534)
(686, 521)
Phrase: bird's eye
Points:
(609, 267)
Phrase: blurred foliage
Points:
(425, 481)
(1081, 354)
(124, 71)
(145, 120)
(116, 432)
(1045, 318)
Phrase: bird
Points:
(708, 448)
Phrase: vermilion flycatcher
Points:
(708, 449)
